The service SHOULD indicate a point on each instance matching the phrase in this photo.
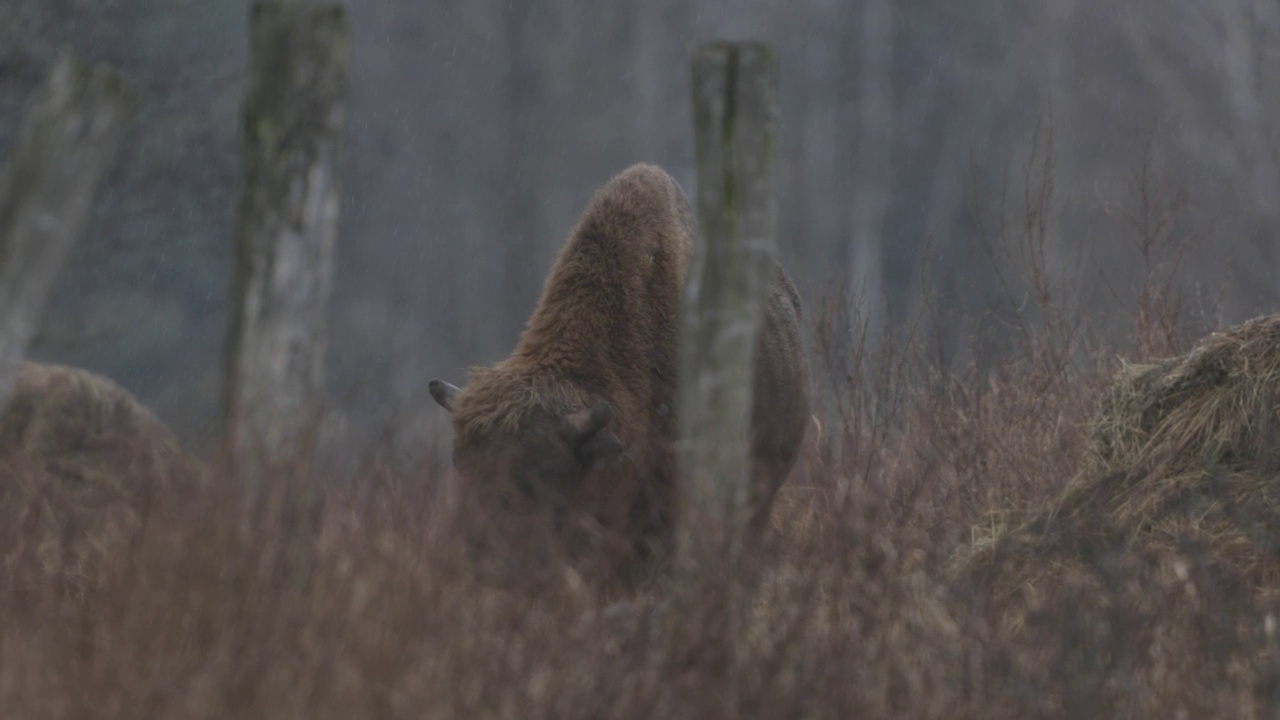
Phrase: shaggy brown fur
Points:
(780, 394)
(581, 416)
(79, 458)
(605, 319)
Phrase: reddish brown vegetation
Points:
(900, 583)
(358, 603)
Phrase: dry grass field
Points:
(1056, 533)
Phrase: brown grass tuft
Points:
(1183, 454)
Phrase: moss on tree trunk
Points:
(286, 229)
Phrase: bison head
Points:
(543, 455)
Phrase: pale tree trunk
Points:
(735, 114)
(287, 226)
(873, 170)
(735, 101)
(65, 146)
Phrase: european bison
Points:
(79, 459)
(577, 425)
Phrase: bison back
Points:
(780, 399)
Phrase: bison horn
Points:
(443, 392)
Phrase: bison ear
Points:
(443, 392)
(586, 431)
(587, 421)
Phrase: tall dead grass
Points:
(910, 574)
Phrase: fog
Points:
(478, 131)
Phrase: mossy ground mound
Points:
(1182, 472)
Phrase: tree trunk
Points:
(735, 107)
(735, 112)
(65, 146)
(287, 226)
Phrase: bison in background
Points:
(571, 437)
(80, 458)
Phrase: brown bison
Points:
(577, 425)
(79, 459)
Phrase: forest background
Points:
(478, 130)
